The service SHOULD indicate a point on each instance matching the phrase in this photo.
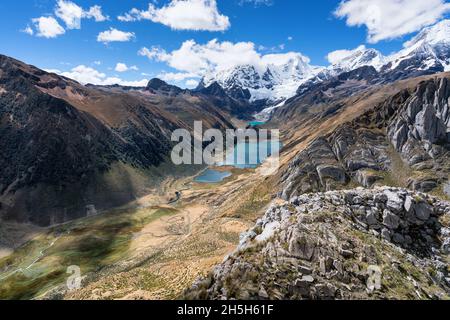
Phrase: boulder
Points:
(423, 211)
(394, 202)
(390, 220)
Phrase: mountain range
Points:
(362, 186)
(66, 146)
(426, 53)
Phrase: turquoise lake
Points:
(247, 155)
(255, 123)
(212, 176)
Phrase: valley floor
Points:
(147, 250)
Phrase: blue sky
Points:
(276, 26)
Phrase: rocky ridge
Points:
(406, 134)
(356, 244)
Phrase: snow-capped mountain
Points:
(275, 81)
(428, 52)
(358, 58)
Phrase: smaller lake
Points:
(212, 176)
(256, 123)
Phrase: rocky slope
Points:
(384, 243)
(66, 146)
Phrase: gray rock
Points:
(372, 218)
(423, 211)
(301, 248)
(446, 246)
(390, 220)
(367, 178)
(304, 270)
(398, 238)
(91, 210)
(386, 234)
(409, 204)
(394, 202)
(331, 172)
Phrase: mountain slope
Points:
(406, 134)
(357, 244)
(66, 146)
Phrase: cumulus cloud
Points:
(390, 19)
(122, 67)
(48, 27)
(71, 13)
(96, 13)
(214, 56)
(85, 75)
(191, 83)
(183, 15)
(114, 35)
(176, 76)
(338, 55)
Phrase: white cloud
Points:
(176, 76)
(114, 35)
(183, 15)
(338, 55)
(191, 83)
(122, 67)
(95, 13)
(28, 30)
(290, 38)
(57, 71)
(48, 27)
(85, 75)
(197, 59)
(71, 13)
(390, 19)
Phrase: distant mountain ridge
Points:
(66, 146)
(426, 53)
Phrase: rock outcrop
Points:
(357, 244)
(407, 134)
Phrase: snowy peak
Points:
(274, 78)
(429, 50)
(438, 34)
(354, 59)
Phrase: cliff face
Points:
(403, 141)
(385, 243)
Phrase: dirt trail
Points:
(168, 229)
